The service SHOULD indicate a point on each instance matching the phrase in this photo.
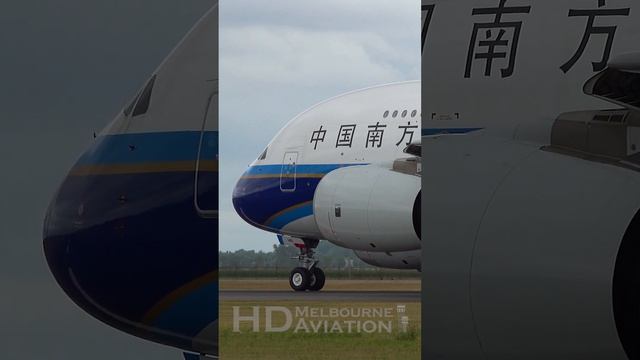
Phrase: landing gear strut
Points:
(307, 276)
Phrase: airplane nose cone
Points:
(260, 200)
(81, 256)
(59, 228)
(130, 249)
(250, 196)
(55, 250)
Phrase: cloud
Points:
(395, 18)
(281, 56)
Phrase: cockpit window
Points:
(263, 155)
(142, 106)
(129, 108)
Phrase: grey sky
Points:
(66, 68)
(280, 57)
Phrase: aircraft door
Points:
(288, 173)
(206, 174)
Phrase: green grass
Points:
(303, 346)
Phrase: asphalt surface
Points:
(368, 296)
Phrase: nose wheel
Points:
(307, 276)
(317, 279)
(299, 279)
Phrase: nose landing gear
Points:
(307, 276)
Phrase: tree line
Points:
(330, 256)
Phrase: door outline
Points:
(288, 171)
(204, 213)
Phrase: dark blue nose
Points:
(251, 198)
(127, 244)
(266, 199)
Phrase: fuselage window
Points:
(145, 98)
(414, 113)
(404, 113)
(386, 114)
(395, 114)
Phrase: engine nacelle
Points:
(405, 260)
(369, 208)
(532, 253)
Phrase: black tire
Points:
(299, 279)
(317, 279)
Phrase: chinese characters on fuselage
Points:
(427, 14)
(492, 36)
(497, 40)
(317, 137)
(591, 29)
(345, 135)
(373, 134)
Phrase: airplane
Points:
(348, 171)
(531, 223)
(131, 236)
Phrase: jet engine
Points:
(369, 208)
(406, 260)
(535, 257)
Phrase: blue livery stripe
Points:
(298, 212)
(151, 147)
(450, 131)
(192, 313)
(301, 169)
